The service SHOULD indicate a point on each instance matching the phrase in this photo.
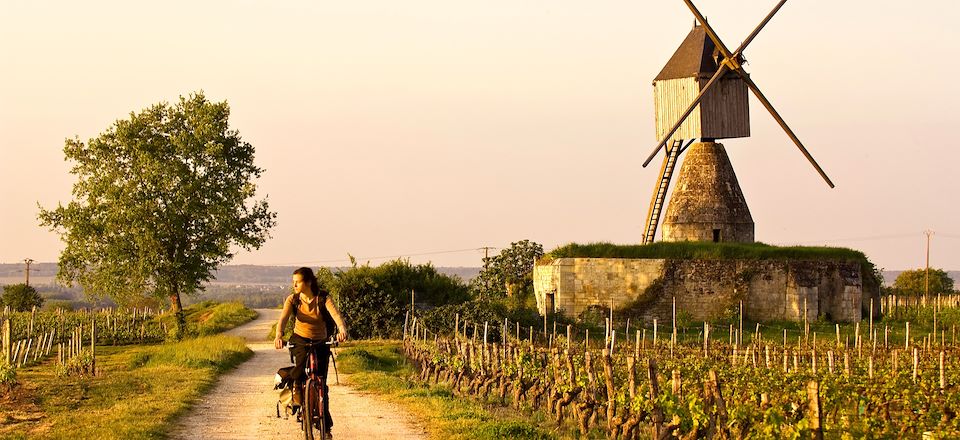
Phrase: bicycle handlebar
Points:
(289, 344)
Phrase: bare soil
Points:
(242, 405)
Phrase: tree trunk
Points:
(181, 319)
(511, 288)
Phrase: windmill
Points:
(701, 93)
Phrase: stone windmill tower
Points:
(701, 93)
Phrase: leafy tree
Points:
(161, 199)
(21, 297)
(914, 282)
(509, 274)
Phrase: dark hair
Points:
(307, 275)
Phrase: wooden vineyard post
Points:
(906, 337)
(632, 375)
(943, 383)
(740, 331)
(654, 333)
(916, 362)
(813, 409)
(806, 325)
(870, 367)
(26, 353)
(673, 336)
(7, 349)
(93, 349)
(706, 339)
(636, 346)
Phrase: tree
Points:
(160, 201)
(510, 273)
(21, 297)
(913, 282)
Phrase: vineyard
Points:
(890, 377)
(28, 337)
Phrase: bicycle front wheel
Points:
(307, 409)
(321, 415)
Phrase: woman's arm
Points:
(282, 324)
(337, 318)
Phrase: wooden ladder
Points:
(666, 174)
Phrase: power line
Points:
(419, 254)
(865, 238)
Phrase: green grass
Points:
(138, 391)
(704, 250)
(209, 317)
(379, 366)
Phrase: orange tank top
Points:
(309, 321)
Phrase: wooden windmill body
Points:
(701, 93)
(724, 111)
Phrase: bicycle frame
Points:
(312, 413)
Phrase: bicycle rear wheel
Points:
(307, 409)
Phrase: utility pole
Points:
(486, 255)
(486, 263)
(28, 261)
(926, 276)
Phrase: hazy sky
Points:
(404, 127)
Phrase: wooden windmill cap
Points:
(697, 56)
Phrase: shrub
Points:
(8, 375)
(374, 299)
(80, 364)
(21, 297)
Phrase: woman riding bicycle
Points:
(312, 309)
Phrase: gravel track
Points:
(242, 405)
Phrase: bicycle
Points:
(311, 414)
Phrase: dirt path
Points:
(242, 405)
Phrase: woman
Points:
(312, 308)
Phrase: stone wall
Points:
(703, 289)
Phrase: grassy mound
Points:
(702, 250)
(705, 251)
(209, 317)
